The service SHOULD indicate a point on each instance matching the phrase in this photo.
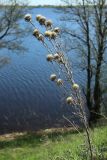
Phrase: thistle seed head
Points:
(42, 20)
(41, 37)
(56, 56)
(49, 57)
(28, 17)
(53, 35)
(53, 77)
(75, 86)
(48, 23)
(59, 82)
(69, 100)
(56, 30)
(48, 34)
(38, 17)
(36, 33)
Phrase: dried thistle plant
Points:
(51, 40)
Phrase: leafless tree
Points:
(11, 31)
(91, 41)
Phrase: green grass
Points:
(50, 147)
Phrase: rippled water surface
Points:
(28, 100)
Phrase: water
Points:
(28, 99)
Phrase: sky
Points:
(36, 2)
(41, 2)
(45, 2)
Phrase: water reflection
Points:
(28, 99)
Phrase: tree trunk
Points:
(88, 96)
(97, 91)
(89, 72)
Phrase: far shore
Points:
(64, 130)
(46, 6)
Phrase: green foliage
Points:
(54, 146)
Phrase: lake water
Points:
(28, 99)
